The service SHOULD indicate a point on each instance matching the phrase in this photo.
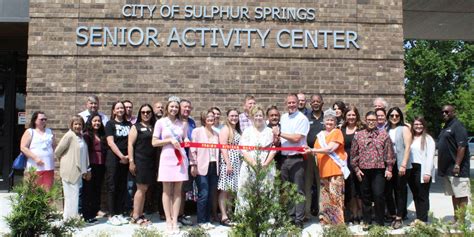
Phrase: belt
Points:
(295, 156)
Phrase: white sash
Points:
(168, 125)
(339, 162)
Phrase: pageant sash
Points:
(339, 162)
(177, 152)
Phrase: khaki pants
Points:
(311, 175)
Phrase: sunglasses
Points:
(445, 112)
(394, 116)
(146, 112)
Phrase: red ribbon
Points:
(239, 147)
(178, 156)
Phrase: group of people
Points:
(351, 167)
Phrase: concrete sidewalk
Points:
(440, 205)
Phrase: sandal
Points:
(141, 221)
(397, 224)
(226, 222)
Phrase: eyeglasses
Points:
(394, 116)
(146, 112)
(445, 112)
(44, 119)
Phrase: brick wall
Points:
(61, 74)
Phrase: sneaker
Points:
(123, 220)
(185, 220)
(210, 226)
(114, 221)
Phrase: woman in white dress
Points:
(261, 136)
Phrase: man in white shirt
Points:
(92, 105)
(293, 131)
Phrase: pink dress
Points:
(169, 170)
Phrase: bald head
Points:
(448, 112)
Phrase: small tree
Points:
(33, 212)
(265, 209)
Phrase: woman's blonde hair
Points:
(76, 118)
(254, 110)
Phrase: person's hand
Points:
(359, 175)
(175, 144)
(124, 160)
(276, 130)
(307, 150)
(87, 176)
(388, 175)
(324, 151)
(402, 171)
(39, 162)
(426, 178)
(194, 171)
(229, 169)
(456, 170)
(132, 168)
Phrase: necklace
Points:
(351, 130)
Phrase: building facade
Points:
(212, 53)
(145, 51)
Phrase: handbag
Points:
(20, 161)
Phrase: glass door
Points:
(7, 94)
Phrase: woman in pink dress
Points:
(173, 168)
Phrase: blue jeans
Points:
(205, 185)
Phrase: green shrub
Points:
(378, 231)
(33, 212)
(336, 231)
(147, 232)
(465, 218)
(265, 212)
(196, 232)
(421, 229)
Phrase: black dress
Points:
(144, 155)
(352, 184)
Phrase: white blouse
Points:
(425, 156)
(42, 146)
